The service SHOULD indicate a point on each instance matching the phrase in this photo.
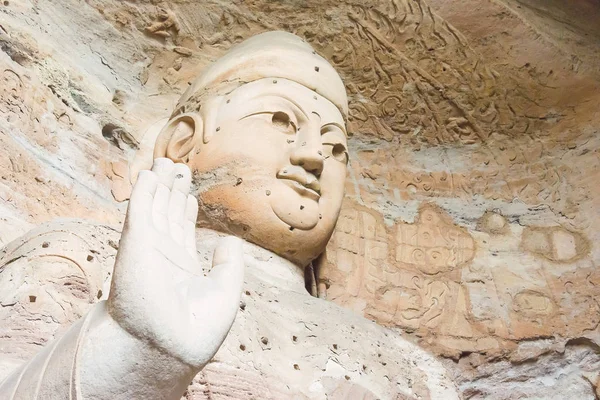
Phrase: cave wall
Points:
(471, 215)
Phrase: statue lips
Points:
(303, 182)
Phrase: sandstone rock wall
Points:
(471, 216)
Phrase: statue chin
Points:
(283, 222)
(299, 212)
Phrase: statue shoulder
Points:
(49, 278)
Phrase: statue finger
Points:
(164, 168)
(191, 209)
(189, 225)
(183, 178)
(189, 235)
(160, 207)
(176, 213)
(228, 268)
(144, 190)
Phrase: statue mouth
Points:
(303, 182)
(303, 190)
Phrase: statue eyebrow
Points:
(289, 100)
(298, 107)
(341, 127)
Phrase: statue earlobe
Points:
(179, 137)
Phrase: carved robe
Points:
(283, 344)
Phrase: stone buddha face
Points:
(269, 163)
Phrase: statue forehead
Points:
(280, 55)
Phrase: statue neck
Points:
(262, 264)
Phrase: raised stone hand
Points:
(159, 292)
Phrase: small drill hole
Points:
(296, 367)
(242, 347)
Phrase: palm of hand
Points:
(158, 291)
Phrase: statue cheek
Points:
(333, 180)
(297, 211)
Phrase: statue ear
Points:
(178, 139)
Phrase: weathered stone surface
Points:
(482, 115)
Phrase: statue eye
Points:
(338, 151)
(333, 140)
(283, 122)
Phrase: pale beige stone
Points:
(479, 107)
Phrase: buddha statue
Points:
(249, 172)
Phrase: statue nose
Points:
(309, 157)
